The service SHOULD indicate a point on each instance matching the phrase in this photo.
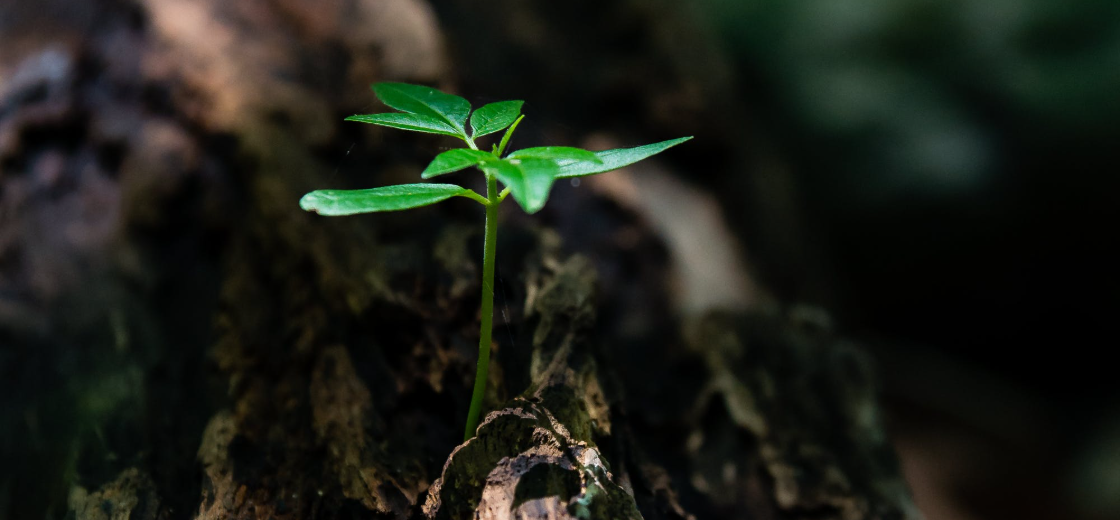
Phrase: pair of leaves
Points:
(528, 173)
(425, 109)
(529, 179)
(462, 158)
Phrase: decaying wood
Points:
(336, 377)
(536, 457)
(132, 496)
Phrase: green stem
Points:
(473, 195)
(489, 251)
(509, 133)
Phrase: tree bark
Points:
(183, 342)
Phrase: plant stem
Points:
(489, 251)
(509, 133)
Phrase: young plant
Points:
(527, 174)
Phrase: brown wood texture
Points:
(183, 342)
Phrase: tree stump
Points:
(181, 341)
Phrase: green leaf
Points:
(426, 101)
(614, 159)
(528, 180)
(388, 198)
(494, 117)
(414, 122)
(556, 152)
(455, 160)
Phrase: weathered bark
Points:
(335, 381)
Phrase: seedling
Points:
(527, 174)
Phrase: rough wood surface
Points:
(186, 343)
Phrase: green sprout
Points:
(527, 174)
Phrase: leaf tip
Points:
(309, 202)
(534, 206)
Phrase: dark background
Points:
(940, 176)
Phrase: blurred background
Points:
(939, 177)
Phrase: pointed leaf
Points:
(614, 159)
(528, 180)
(427, 101)
(387, 198)
(414, 122)
(556, 152)
(494, 117)
(455, 160)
